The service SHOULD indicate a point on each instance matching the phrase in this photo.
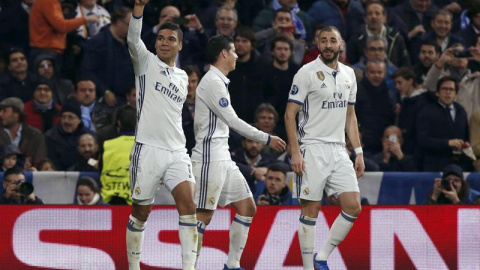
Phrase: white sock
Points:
(188, 239)
(134, 240)
(340, 228)
(201, 230)
(306, 237)
(238, 239)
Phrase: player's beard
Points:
(329, 60)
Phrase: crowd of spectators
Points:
(67, 84)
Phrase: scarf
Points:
(299, 27)
(94, 201)
(42, 107)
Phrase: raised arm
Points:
(136, 47)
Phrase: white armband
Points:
(358, 150)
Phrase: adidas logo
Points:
(163, 73)
(324, 85)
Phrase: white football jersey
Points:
(161, 92)
(324, 94)
(213, 117)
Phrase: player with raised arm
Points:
(159, 154)
(219, 181)
(323, 95)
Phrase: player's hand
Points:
(141, 2)
(359, 165)
(297, 163)
(277, 144)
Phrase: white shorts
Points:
(219, 183)
(327, 167)
(151, 167)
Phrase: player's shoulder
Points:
(346, 68)
(307, 69)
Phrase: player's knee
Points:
(187, 208)
(141, 213)
(353, 210)
(252, 210)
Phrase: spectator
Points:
(42, 112)
(429, 53)
(252, 162)
(457, 67)
(442, 129)
(62, 139)
(440, 33)
(452, 188)
(373, 108)
(45, 165)
(301, 19)
(88, 192)
(226, 21)
(346, 15)
(276, 189)
(12, 193)
(392, 158)
(475, 137)
(10, 157)
(246, 93)
(49, 28)
(87, 158)
(282, 25)
(188, 110)
(376, 49)
(131, 97)
(375, 25)
(312, 53)
(87, 8)
(106, 60)
(470, 33)
(14, 22)
(18, 82)
(413, 99)
(61, 88)
(416, 15)
(16, 131)
(116, 160)
(194, 36)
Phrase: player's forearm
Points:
(291, 129)
(351, 127)
(138, 10)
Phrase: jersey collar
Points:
(327, 68)
(165, 66)
(219, 74)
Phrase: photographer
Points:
(16, 190)
(452, 188)
(392, 158)
(276, 190)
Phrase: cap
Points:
(72, 106)
(12, 102)
(453, 169)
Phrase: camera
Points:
(462, 54)
(271, 199)
(445, 182)
(180, 21)
(25, 188)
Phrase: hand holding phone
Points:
(393, 138)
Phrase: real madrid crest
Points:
(138, 190)
(181, 84)
(320, 75)
(347, 84)
(306, 191)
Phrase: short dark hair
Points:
(83, 79)
(127, 116)
(215, 45)
(245, 32)
(331, 28)
(89, 182)
(375, 3)
(265, 107)
(430, 42)
(14, 170)
(190, 69)
(120, 13)
(443, 11)
(404, 72)
(173, 27)
(280, 38)
(278, 167)
(447, 79)
(281, 10)
(15, 50)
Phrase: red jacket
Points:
(42, 121)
